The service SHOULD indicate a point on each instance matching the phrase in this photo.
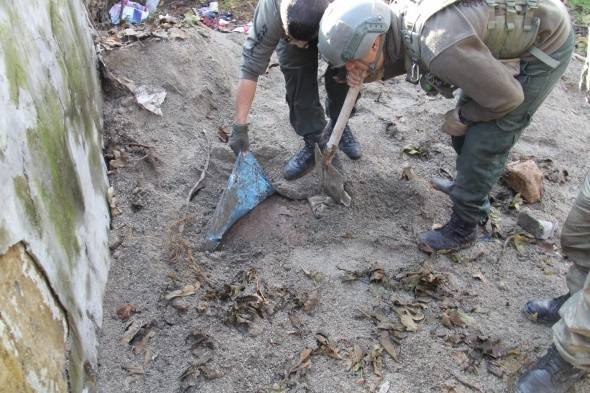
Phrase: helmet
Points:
(349, 27)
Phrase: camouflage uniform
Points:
(571, 334)
(298, 65)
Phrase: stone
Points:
(539, 228)
(526, 179)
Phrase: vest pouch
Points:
(512, 28)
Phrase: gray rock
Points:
(539, 228)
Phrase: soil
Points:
(338, 301)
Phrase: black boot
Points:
(304, 161)
(546, 310)
(348, 143)
(550, 374)
(443, 185)
(455, 234)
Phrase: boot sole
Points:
(444, 188)
(427, 248)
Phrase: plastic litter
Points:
(243, 28)
(149, 98)
(152, 5)
(246, 188)
(132, 12)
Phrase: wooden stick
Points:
(464, 382)
(504, 247)
(195, 188)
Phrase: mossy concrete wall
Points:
(53, 214)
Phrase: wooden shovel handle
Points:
(343, 116)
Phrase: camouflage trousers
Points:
(571, 334)
(300, 70)
(483, 151)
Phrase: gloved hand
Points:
(512, 65)
(238, 139)
(453, 125)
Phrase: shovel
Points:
(246, 188)
(333, 180)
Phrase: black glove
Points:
(238, 139)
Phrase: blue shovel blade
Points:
(246, 188)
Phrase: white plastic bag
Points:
(132, 12)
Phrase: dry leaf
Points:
(311, 302)
(357, 354)
(134, 369)
(131, 330)
(222, 135)
(295, 321)
(304, 362)
(314, 275)
(377, 274)
(408, 173)
(408, 321)
(328, 346)
(148, 356)
(459, 318)
(446, 321)
(304, 355)
(126, 311)
(197, 339)
(387, 344)
(480, 276)
(137, 348)
(188, 290)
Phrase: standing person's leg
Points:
(299, 67)
(483, 151)
(571, 334)
(336, 89)
(568, 359)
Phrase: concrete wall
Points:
(53, 211)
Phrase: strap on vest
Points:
(544, 57)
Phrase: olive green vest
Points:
(512, 29)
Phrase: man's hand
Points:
(238, 139)
(453, 125)
(357, 72)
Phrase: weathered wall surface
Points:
(53, 213)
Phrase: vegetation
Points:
(580, 10)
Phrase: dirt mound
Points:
(341, 303)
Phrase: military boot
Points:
(550, 374)
(546, 310)
(348, 143)
(443, 185)
(455, 234)
(304, 161)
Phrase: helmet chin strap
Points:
(373, 66)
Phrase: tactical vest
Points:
(512, 29)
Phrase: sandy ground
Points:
(295, 303)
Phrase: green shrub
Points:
(580, 10)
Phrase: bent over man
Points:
(505, 56)
(291, 27)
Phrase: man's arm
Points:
(244, 96)
(490, 84)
